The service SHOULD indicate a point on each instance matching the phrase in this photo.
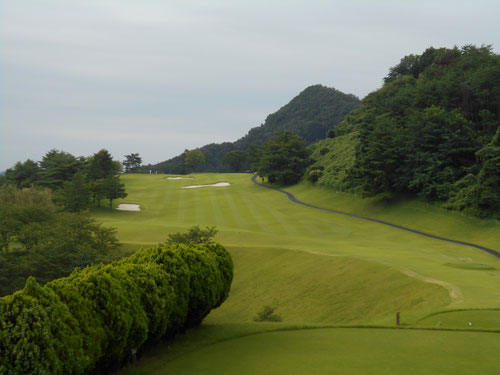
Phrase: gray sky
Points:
(157, 77)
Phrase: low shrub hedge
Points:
(96, 319)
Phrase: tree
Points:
(113, 189)
(58, 167)
(236, 160)
(75, 194)
(96, 191)
(194, 235)
(101, 165)
(254, 153)
(377, 157)
(20, 207)
(23, 174)
(480, 194)
(283, 159)
(440, 149)
(132, 163)
(194, 159)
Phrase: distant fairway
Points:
(316, 267)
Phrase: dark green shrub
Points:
(38, 334)
(98, 317)
(324, 150)
(267, 315)
(194, 235)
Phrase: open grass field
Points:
(321, 269)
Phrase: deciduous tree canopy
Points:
(283, 159)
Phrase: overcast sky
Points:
(157, 77)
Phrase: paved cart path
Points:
(295, 200)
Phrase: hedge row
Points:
(96, 319)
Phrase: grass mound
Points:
(318, 288)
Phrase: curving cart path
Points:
(295, 200)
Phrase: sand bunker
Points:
(128, 207)
(179, 178)
(199, 186)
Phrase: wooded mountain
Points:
(432, 130)
(309, 115)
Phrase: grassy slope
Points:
(336, 156)
(319, 267)
(305, 287)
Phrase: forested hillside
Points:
(310, 114)
(432, 131)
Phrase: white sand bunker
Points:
(179, 178)
(199, 186)
(128, 207)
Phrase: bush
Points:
(194, 235)
(267, 315)
(98, 317)
(314, 172)
(324, 151)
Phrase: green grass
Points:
(305, 287)
(339, 351)
(336, 155)
(464, 319)
(316, 267)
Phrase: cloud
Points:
(80, 75)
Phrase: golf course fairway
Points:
(321, 271)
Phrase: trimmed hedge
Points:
(96, 319)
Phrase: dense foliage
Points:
(309, 115)
(430, 131)
(282, 159)
(194, 160)
(194, 235)
(132, 163)
(99, 318)
(76, 181)
(38, 240)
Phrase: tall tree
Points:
(101, 165)
(132, 162)
(236, 160)
(113, 189)
(57, 167)
(75, 194)
(193, 160)
(377, 161)
(283, 159)
(23, 174)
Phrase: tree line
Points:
(45, 230)
(431, 131)
(76, 181)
